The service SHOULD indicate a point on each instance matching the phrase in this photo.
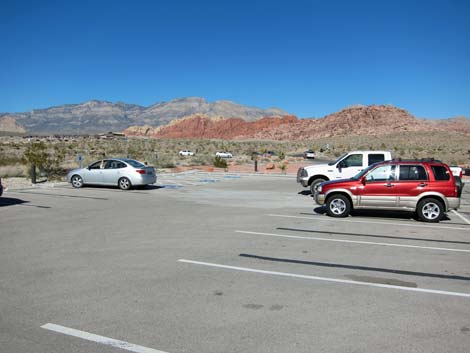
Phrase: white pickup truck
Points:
(346, 166)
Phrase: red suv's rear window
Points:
(412, 172)
(440, 172)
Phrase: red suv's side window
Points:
(382, 173)
(440, 172)
(413, 172)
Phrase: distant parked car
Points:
(309, 154)
(122, 172)
(268, 154)
(186, 153)
(224, 155)
(1, 187)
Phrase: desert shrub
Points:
(12, 171)
(9, 160)
(242, 161)
(165, 161)
(201, 160)
(47, 161)
(219, 162)
(36, 154)
(283, 167)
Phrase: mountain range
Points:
(101, 116)
(194, 117)
(357, 120)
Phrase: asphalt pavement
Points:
(211, 263)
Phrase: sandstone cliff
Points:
(357, 120)
(8, 124)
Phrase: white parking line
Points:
(352, 241)
(461, 217)
(100, 339)
(326, 279)
(316, 218)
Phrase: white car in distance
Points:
(186, 153)
(224, 155)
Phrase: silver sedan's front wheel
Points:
(77, 181)
(124, 184)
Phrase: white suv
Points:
(186, 153)
(224, 155)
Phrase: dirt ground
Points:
(263, 168)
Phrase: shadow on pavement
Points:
(10, 201)
(356, 267)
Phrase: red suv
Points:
(426, 187)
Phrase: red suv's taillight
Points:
(140, 171)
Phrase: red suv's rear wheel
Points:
(430, 210)
(338, 206)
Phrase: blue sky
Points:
(310, 58)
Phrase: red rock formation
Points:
(358, 120)
(203, 127)
(459, 124)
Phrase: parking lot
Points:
(215, 263)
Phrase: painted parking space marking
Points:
(59, 195)
(209, 180)
(100, 339)
(461, 217)
(353, 241)
(317, 218)
(327, 279)
(171, 186)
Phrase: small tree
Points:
(283, 166)
(220, 162)
(38, 156)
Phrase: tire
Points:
(314, 185)
(338, 206)
(77, 181)
(430, 210)
(124, 184)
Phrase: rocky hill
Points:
(101, 116)
(205, 127)
(458, 124)
(8, 124)
(356, 120)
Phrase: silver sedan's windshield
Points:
(134, 163)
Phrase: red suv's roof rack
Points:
(416, 160)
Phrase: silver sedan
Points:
(122, 172)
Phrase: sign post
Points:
(80, 160)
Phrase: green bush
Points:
(220, 162)
(46, 161)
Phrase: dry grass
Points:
(451, 148)
(13, 171)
